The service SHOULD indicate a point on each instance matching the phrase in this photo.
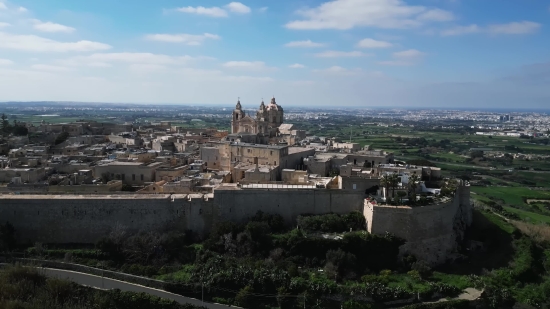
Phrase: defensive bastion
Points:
(431, 231)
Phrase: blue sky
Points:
(417, 53)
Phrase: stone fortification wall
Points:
(238, 205)
(432, 232)
(87, 218)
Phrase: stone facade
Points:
(267, 121)
(432, 232)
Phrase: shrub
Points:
(245, 298)
(332, 223)
(24, 287)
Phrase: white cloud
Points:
(104, 59)
(5, 61)
(371, 43)
(523, 27)
(22, 9)
(296, 66)
(263, 10)
(396, 63)
(459, 30)
(99, 64)
(216, 11)
(49, 68)
(436, 15)
(404, 58)
(187, 39)
(3, 6)
(408, 54)
(307, 43)
(248, 65)
(51, 27)
(246, 78)
(201, 10)
(33, 43)
(4, 25)
(237, 7)
(348, 14)
(340, 54)
(338, 70)
(146, 67)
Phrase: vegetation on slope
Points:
(26, 288)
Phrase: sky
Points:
(394, 53)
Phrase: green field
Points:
(529, 216)
(511, 195)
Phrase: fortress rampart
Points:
(86, 218)
(431, 231)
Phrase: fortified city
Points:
(318, 154)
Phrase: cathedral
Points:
(267, 121)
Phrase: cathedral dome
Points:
(274, 106)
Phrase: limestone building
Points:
(267, 121)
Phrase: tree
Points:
(245, 298)
(394, 181)
(63, 136)
(386, 183)
(339, 263)
(4, 125)
(283, 299)
(476, 154)
(413, 185)
(449, 188)
(401, 195)
(7, 237)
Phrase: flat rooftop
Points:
(292, 150)
(259, 145)
(276, 186)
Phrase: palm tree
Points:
(413, 184)
(401, 195)
(394, 181)
(386, 183)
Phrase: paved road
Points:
(109, 284)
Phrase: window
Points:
(133, 177)
(123, 176)
(274, 162)
(271, 153)
(141, 177)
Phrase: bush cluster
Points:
(25, 288)
(332, 223)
